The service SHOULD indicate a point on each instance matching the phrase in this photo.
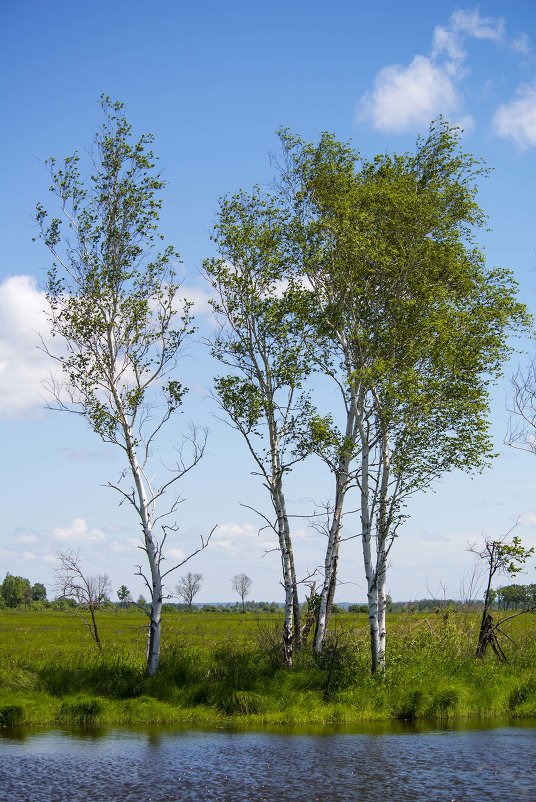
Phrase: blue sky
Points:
(213, 81)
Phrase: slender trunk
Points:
(150, 546)
(382, 609)
(486, 621)
(332, 549)
(330, 562)
(381, 554)
(370, 573)
(153, 637)
(151, 549)
(95, 629)
(297, 635)
(286, 562)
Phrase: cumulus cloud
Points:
(516, 120)
(78, 533)
(406, 97)
(23, 367)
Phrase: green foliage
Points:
(16, 590)
(112, 298)
(404, 306)
(39, 592)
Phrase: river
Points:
(400, 763)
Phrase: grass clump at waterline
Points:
(218, 667)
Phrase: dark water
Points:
(374, 766)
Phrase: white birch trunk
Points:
(381, 558)
(382, 609)
(370, 573)
(155, 615)
(283, 532)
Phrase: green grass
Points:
(225, 667)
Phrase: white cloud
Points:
(23, 367)
(516, 120)
(528, 519)
(234, 537)
(406, 97)
(472, 24)
(77, 533)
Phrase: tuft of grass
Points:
(11, 715)
(80, 710)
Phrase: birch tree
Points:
(265, 349)
(416, 323)
(188, 587)
(116, 310)
(241, 584)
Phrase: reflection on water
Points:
(382, 764)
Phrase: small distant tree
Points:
(39, 592)
(123, 594)
(188, 587)
(89, 592)
(499, 557)
(16, 590)
(241, 584)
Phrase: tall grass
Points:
(218, 666)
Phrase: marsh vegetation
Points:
(226, 666)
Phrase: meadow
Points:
(227, 668)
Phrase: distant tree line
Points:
(17, 591)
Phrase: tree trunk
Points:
(95, 628)
(289, 585)
(297, 634)
(382, 532)
(332, 550)
(381, 572)
(153, 556)
(370, 573)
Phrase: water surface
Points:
(380, 765)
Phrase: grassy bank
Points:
(220, 667)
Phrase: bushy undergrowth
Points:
(211, 671)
